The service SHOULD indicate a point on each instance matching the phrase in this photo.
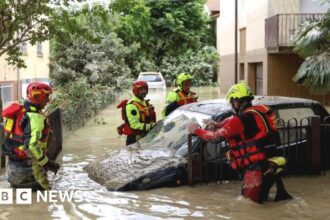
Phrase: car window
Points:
(298, 113)
(293, 135)
(151, 78)
(171, 133)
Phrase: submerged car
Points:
(160, 158)
(155, 80)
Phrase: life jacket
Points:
(245, 153)
(185, 98)
(14, 133)
(268, 118)
(147, 115)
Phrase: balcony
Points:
(280, 30)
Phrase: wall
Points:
(281, 69)
(37, 68)
(226, 77)
(283, 7)
(251, 17)
(256, 13)
(226, 24)
(310, 6)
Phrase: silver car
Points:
(155, 80)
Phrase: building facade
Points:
(266, 29)
(13, 81)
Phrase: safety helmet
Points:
(37, 92)
(139, 84)
(239, 91)
(183, 77)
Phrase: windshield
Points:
(151, 78)
(171, 133)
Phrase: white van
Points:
(155, 80)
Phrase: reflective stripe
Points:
(9, 124)
(43, 160)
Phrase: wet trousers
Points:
(27, 173)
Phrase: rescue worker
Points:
(138, 114)
(181, 95)
(247, 133)
(26, 132)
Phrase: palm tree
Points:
(313, 43)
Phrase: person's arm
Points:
(232, 127)
(171, 103)
(133, 117)
(33, 124)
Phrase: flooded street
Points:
(213, 201)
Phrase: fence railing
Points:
(305, 144)
(281, 29)
(78, 116)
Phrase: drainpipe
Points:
(236, 57)
(2, 136)
(18, 83)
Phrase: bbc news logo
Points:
(24, 196)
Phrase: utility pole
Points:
(236, 56)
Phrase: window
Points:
(6, 93)
(23, 48)
(241, 71)
(151, 78)
(39, 49)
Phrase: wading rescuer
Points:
(139, 116)
(26, 130)
(181, 95)
(247, 133)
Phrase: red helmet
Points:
(37, 92)
(139, 84)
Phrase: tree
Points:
(22, 21)
(313, 44)
(100, 55)
(163, 29)
(178, 26)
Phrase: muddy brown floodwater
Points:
(214, 201)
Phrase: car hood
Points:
(118, 168)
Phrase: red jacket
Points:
(243, 134)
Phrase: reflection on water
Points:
(222, 201)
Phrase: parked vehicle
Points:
(160, 158)
(155, 80)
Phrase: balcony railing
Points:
(280, 30)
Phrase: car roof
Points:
(150, 73)
(217, 106)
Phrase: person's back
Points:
(180, 95)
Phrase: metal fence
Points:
(305, 144)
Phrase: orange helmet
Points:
(37, 92)
(139, 84)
